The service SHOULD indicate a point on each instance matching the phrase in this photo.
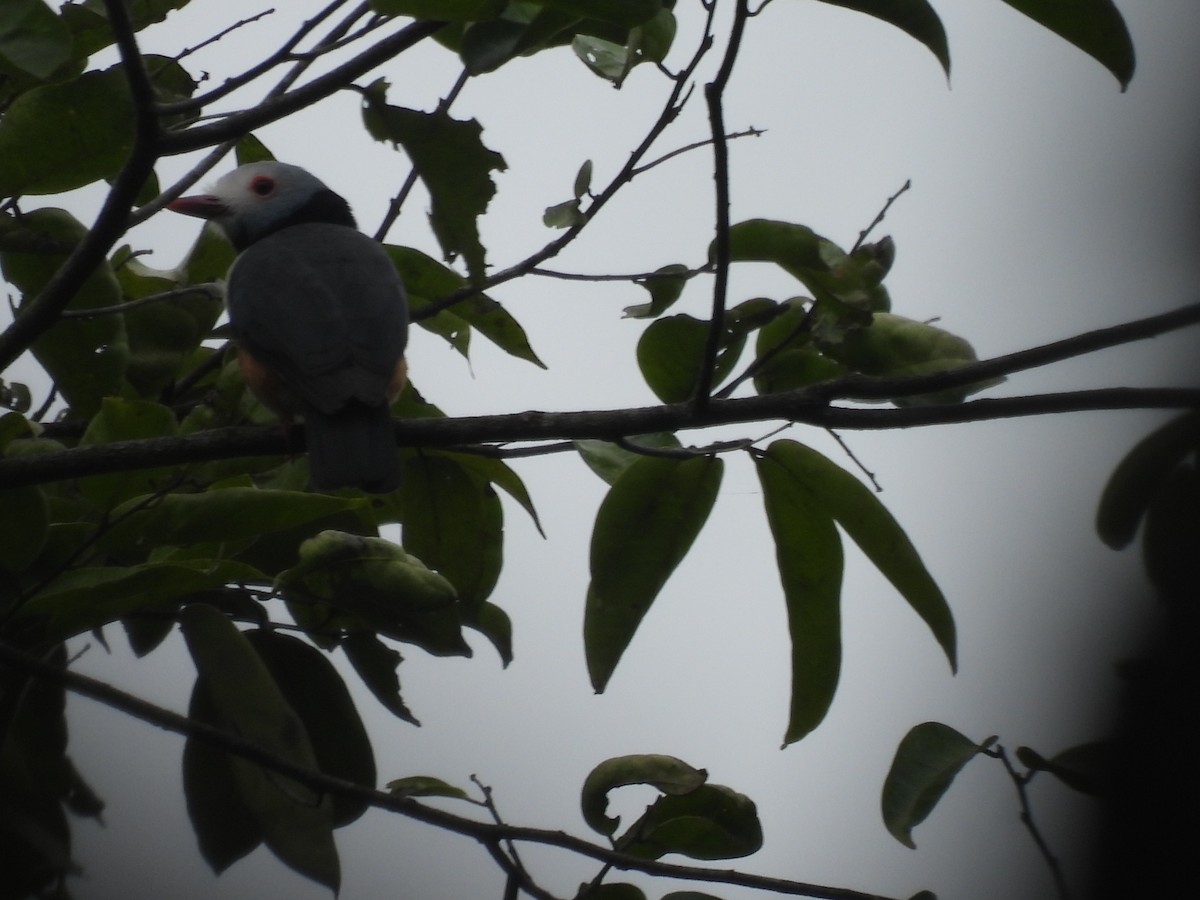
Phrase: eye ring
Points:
(262, 185)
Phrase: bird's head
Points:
(260, 198)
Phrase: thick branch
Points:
(486, 833)
(807, 407)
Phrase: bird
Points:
(319, 315)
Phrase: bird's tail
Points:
(354, 447)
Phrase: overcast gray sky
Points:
(1044, 203)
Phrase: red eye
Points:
(262, 185)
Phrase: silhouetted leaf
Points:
(1094, 26)
(1137, 478)
(670, 353)
(915, 17)
(452, 161)
(869, 524)
(808, 551)
(296, 821)
(1085, 767)
(711, 822)
(666, 773)
(643, 530)
(376, 664)
(926, 763)
(452, 521)
(665, 287)
(315, 691)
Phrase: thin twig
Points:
(854, 459)
(223, 32)
(1020, 782)
(212, 290)
(862, 235)
(696, 145)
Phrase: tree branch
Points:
(714, 95)
(238, 124)
(487, 833)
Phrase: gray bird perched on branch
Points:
(319, 315)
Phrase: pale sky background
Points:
(1044, 203)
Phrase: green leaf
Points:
(426, 280)
(219, 514)
(125, 420)
(225, 826)
(915, 17)
(1094, 26)
(646, 43)
(665, 773)
(711, 822)
(453, 522)
(440, 10)
(315, 691)
(86, 357)
(425, 786)
(376, 664)
(63, 136)
(808, 551)
(665, 286)
(500, 474)
(1138, 477)
(609, 460)
(163, 336)
(643, 530)
(451, 160)
(1085, 767)
(869, 524)
(90, 597)
(296, 821)
(926, 763)
(33, 38)
(670, 352)
(24, 526)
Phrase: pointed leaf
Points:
(643, 530)
(869, 524)
(1094, 26)
(914, 17)
(1137, 478)
(297, 822)
(427, 280)
(666, 773)
(609, 460)
(225, 826)
(314, 690)
(926, 763)
(808, 551)
(376, 664)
